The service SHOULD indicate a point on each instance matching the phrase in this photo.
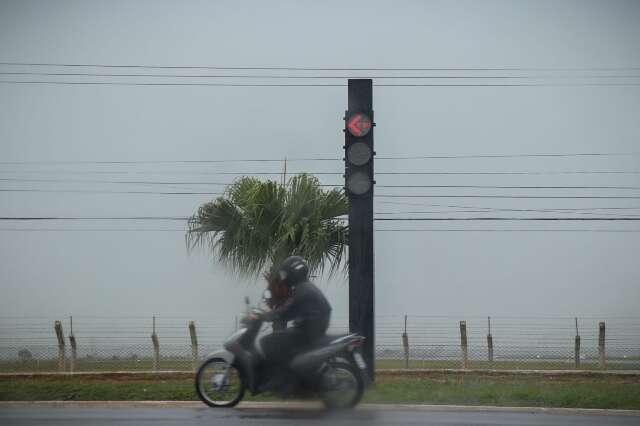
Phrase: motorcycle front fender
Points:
(224, 354)
(244, 363)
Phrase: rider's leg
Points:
(279, 348)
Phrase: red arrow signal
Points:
(359, 124)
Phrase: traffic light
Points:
(359, 140)
(359, 183)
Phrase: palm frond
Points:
(257, 224)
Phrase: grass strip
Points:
(439, 388)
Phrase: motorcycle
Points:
(331, 368)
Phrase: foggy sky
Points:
(445, 273)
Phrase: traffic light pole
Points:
(361, 253)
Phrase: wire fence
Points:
(31, 344)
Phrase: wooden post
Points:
(61, 354)
(74, 348)
(602, 359)
(405, 344)
(156, 347)
(463, 344)
(577, 346)
(194, 344)
(489, 343)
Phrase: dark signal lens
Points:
(359, 154)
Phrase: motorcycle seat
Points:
(323, 341)
(311, 355)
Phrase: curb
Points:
(309, 406)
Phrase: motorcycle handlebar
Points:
(254, 315)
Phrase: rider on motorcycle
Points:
(306, 307)
(332, 369)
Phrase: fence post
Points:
(405, 344)
(156, 347)
(194, 344)
(74, 348)
(602, 359)
(489, 343)
(577, 346)
(60, 336)
(463, 344)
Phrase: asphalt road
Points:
(187, 416)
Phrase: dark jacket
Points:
(307, 307)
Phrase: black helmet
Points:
(293, 270)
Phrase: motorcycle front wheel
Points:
(219, 384)
(342, 385)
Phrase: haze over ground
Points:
(93, 273)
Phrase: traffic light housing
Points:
(359, 186)
(358, 145)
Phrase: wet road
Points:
(370, 416)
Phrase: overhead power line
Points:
(507, 219)
(244, 160)
(435, 219)
(377, 230)
(71, 218)
(309, 68)
(568, 172)
(280, 160)
(167, 172)
(457, 206)
(116, 83)
(80, 191)
(146, 182)
(134, 182)
(492, 210)
(513, 196)
(508, 186)
(278, 173)
(127, 182)
(90, 230)
(480, 209)
(511, 230)
(150, 84)
(542, 155)
(591, 210)
(322, 77)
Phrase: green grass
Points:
(437, 388)
(477, 390)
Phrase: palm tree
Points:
(257, 224)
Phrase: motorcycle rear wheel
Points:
(338, 378)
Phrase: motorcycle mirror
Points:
(267, 294)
